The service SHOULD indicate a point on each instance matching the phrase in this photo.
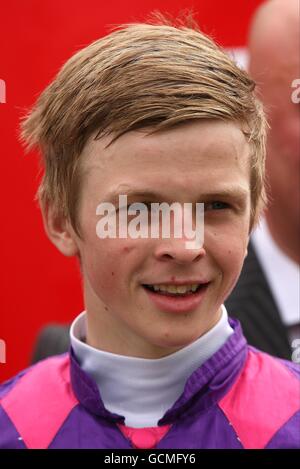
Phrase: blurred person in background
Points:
(266, 298)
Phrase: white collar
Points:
(283, 274)
(149, 387)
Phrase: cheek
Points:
(231, 261)
(108, 265)
(228, 250)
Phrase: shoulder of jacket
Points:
(39, 399)
(262, 399)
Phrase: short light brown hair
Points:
(155, 74)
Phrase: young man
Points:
(159, 114)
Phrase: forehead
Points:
(200, 153)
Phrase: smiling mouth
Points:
(176, 290)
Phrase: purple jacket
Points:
(239, 398)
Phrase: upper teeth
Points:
(176, 288)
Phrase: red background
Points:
(39, 285)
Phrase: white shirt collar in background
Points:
(282, 273)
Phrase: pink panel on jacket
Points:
(41, 401)
(144, 438)
(264, 397)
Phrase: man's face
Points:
(274, 64)
(204, 161)
(283, 144)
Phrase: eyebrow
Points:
(235, 192)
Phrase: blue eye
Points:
(217, 205)
(135, 205)
(148, 204)
(141, 205)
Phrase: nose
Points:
(175, 250)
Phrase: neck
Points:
(285, 234)
(141, 389)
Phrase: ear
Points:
(59, 231)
